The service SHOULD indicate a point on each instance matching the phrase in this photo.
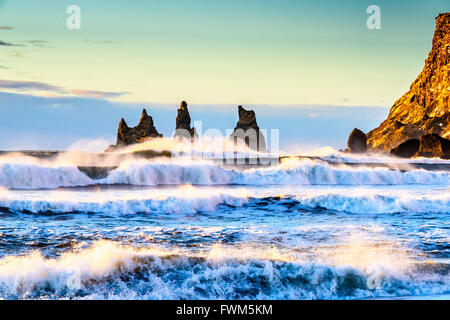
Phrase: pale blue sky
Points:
(224, 53)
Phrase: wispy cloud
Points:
(97, 94)
(3, 43)
(9, 44)
(3, 67)
(6, 28)
(28, 85)
(42, 86)
(36, 43)
(100, 41)
(39, 43)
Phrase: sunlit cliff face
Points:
(425, 108)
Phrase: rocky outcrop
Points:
(424, 109)
(143, 131)
(429, 145)
(432, 145)
(357, 142)
(247, 129)
(183, 122)
(407, 149)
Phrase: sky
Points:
(296, 63)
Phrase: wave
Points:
(372, 202)
(152, 173)
(188, 199)
(171, 204)
(36, 176)
(110, 271)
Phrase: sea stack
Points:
(143, 131)
(247, 129)
(424, 109)
(357, 142)
(183, 123)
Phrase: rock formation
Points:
(406, 149)
(357, 142)
(247, 130)
(429, 145)
(143, 131)
(432, 145)
(424, 109)
(183, 122)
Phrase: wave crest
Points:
(152, 173)
(109, 271)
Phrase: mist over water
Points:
(332, 226)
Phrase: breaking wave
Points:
(372, 202)
(170, 204)
(151, 173)
(192, 199)
(110, 271)
(35, 176)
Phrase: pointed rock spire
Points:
(183, 122)
(143, 131)
(144, 115)
(247, 129)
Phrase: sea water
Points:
(164, 229)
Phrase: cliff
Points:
(424, 109)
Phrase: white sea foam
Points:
(291, 172)
(371, 201)
(183, 200)
(107, 270)
(34, 175)
(190, 199)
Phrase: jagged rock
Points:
(143, 131)
(431, 145)
(357, 142)
(247, 129)
(424, 109)
(406, 149)
(183, 122)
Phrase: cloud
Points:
(97, 94)
(3, 67)
(42, 86)
(100, 41)
(6, 28)
(36, 43)
(2, 43)
(27, 85)
(39, 43)
(9, 44)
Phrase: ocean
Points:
(331, 227)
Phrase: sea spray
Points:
(108, 270)
(192, 199)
